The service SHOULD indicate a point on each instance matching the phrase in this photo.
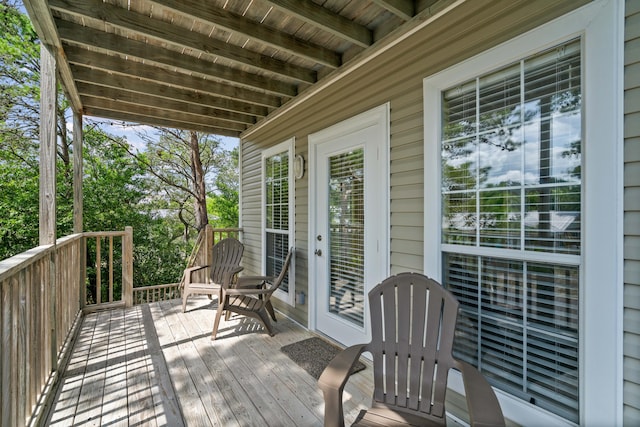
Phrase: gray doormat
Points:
(314, 354)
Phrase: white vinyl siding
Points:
(395, 77)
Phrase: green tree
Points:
(223, 201)
(116, 190)
(19, 130)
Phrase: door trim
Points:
(377, 116)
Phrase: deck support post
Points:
(48, 102)
(77, 172)
(127, 266)
(78, 138)
(47, 210)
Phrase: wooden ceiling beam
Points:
(202, 10)
(110, 42)
(140, 110)
(105, 92)
(182, 38)
(99, 77)
(320, 17)
(162, 76)
(155, 121)
(405, 9)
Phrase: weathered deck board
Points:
(152, 365)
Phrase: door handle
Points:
(318, 252)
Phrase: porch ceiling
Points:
(216, 66)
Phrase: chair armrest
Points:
(332, 382)
(188, 271)
(483, 405)
(245, 291)
(253, 281)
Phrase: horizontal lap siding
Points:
(251, 208)
(631, 390)
(394, 77)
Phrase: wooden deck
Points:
(152, 365)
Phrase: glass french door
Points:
(350, 255)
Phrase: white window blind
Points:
(511, 199)
(276, 181)
(346, 223)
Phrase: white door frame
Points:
(378, 116)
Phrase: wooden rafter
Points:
(109, 42)
(87, 90)
(320, 17)
(237, 98)
(166, 32)
(230, 21)
(207, 65)
(405, 9)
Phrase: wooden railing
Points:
(147, 294)
(40, 291)
(43, 294)
(110, 270)
(200, 255)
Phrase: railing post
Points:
(209, 241)
(83, 272)
(127, 266)
(53, 312)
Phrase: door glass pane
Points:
(346, 234)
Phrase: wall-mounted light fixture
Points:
(298, 166)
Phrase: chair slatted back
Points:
(413, 319)
(225, 256)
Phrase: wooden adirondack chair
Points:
(225, 264)
(413, 319)
(251, 296)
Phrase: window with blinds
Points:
(346, 227)
(276, 190)
(511, 224)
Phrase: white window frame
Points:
(600, 26)
(289, 147)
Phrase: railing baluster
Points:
(98, 272)
(110, 268)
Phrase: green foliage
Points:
(19, 78)
(223, 203)
(149, 191)
(19, 206)
(116, 194)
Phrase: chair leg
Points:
(265, 320)
(272, 313)
(216, 323)
(185, 295)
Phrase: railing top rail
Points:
(154, 287)
(104, 233)
(10, 266)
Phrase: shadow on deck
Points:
(154, 365)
